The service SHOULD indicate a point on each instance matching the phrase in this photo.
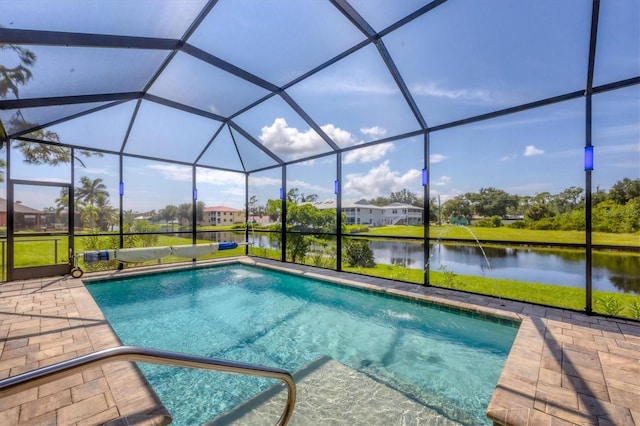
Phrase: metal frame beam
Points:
(58, 38)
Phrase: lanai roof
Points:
(210, 82)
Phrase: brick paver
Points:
(46, 321)
(564, 367)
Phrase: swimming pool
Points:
(446, 361)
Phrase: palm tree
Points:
(107, 214)
(89, 214)
(90, 190)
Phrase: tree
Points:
(297, 247)
(62, 202)
(274, 210)
(311, 198)
(11, 78)
(492, 202)
(42, 152)
(199, 211)
(459, 206)
(169, 213)
(538, 211)
(89, 215)
(434, 209)
(107, 215)
(380, 201)
(88, 195)
(253, 205)
(295, 196)
(306, 217)
(128, 218)
(34, 152)
(184, 212)
(567, 200)
(625, 190)
(91, 190)
(404, 196)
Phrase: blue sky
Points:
(460, 60)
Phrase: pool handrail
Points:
(43, 375)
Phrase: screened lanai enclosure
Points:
(485, 146)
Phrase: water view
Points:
(611, 272)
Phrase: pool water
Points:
(444, 360)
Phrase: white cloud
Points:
(368, 154)
(229, 181)
(436, 158)
(98, 171)
(356, 83)
(220, 178)
(434, 90)
(530, 188)
(508, 157)
(256, 180)
(375, 132)
(453, 193)
(341, 137)
(626, 130)
(617, 149)
(307, 188)
(285, 140)
(627, 164)
(442, 181)
(531, 151)
(173, 171)
(380, 181)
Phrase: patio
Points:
(564, 368)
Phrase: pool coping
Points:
(564, 367)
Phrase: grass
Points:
(617, 304)
(506, 234)
(40, 252)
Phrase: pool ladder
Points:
(41, 376)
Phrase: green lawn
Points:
(625, 305)
(505, 234)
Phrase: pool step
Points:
(330, 393)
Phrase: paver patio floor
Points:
(564, 367)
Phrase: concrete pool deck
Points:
(564, 367)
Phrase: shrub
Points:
(610, 305)
(450, 279)
(545, 224)
(489, 222)
(635, 309)
(297, 247)
(357, 229)
(358, 254)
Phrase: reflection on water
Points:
(619, 274)
(613, 273)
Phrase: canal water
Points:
(611, 271)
